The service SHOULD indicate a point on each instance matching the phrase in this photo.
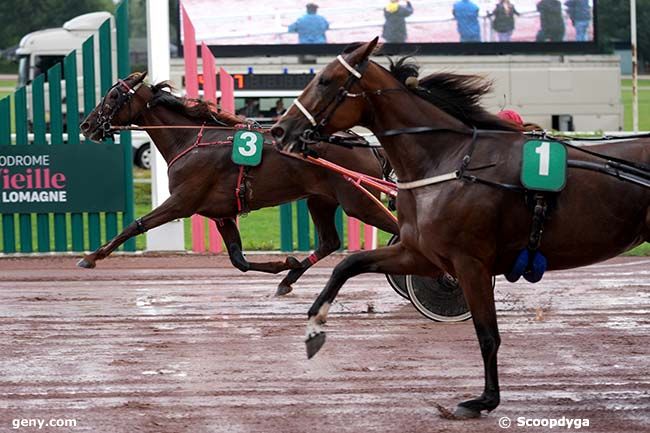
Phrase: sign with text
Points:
(64, 178)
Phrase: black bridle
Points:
(105, 119)
(314, 135)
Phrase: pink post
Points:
(354, 234)
(227, 86)
(210, 94)
(369, 237)
(192, 91)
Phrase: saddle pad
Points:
(544, 165)
(247, 147)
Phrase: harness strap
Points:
(347, 66)
(304, 111)
(189, 149)
(428, 181)
(239, 190)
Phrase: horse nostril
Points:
(85, 126)
(277, 132)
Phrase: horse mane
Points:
(193, 108)
(458, 95)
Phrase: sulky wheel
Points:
(440, 299)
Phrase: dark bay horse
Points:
(203, 181)
(433, 127)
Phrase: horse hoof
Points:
(463, 412)
(314, 343)
(293, 263)
(83, 263)
(283, 289)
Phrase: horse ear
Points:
(364, 51)
(370, 47)
(141, 77)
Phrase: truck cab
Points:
(40, 50)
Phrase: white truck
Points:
(40, 50)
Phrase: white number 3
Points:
(251, 144)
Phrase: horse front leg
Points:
(476, 281)
(229, 231)
(171, 209)
(323, 213)
(395, 259)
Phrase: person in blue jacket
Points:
(466, 15)
(310, 27)
(580, 14)
(395, 26)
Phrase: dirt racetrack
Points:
(188, 344)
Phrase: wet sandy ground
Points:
(188, 344)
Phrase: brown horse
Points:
(203, 181)
(473, 230)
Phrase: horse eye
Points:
(323, 81)
(113, 95)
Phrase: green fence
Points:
(306, 238)
(71, 231)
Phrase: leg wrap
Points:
(139, 226)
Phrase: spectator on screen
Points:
(580, 14)
(395, 24)
(504, 20)
(251, 109)
(551, 21)
(310, 27)
(466, 15)
(278, 110)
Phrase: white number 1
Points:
(251, 144)
(544, 152)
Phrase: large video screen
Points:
(312, 25)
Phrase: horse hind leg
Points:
(322, 212)
(227, 227)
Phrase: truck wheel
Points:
(143, 156)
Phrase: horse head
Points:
(120, 106)
(334, 100)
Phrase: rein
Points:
(196, 144)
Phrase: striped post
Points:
(90, 100)
(354, 234)
(338, 221)
(72, 106)
(286, 227)
(192, 91)
(56, 139)
(38, 119)
(20, 114)
(8, 220)
(123, 70)
(369, 237)
(210, 94)
(304, 243)
(105, 83)
(227, 87)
